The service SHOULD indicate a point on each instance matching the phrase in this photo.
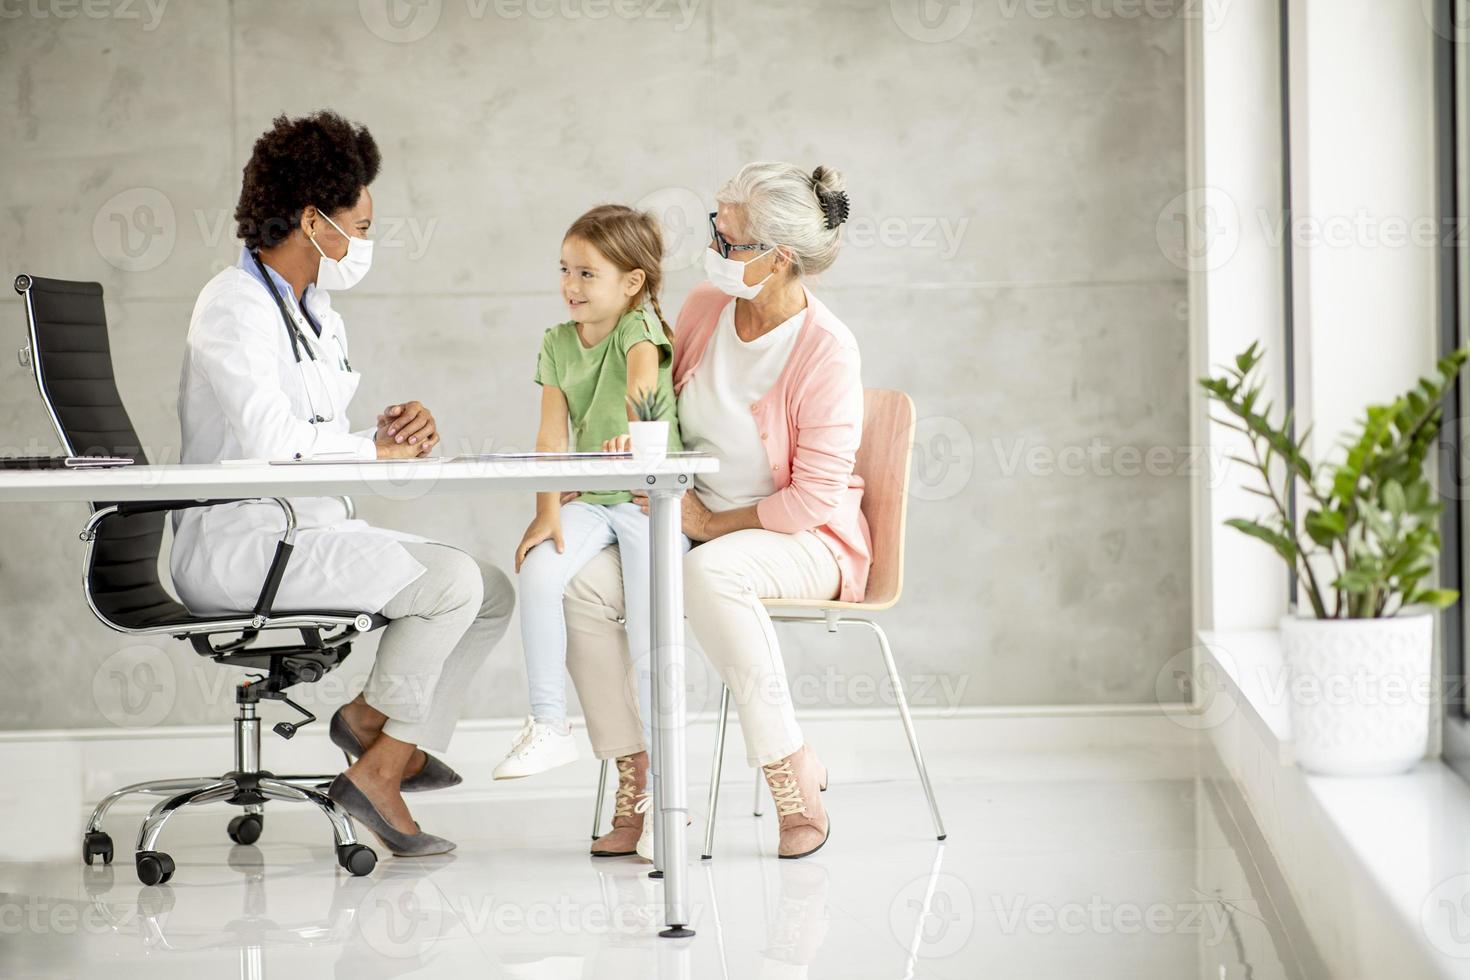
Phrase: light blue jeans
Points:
(586, 530)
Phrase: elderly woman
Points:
(767, 379)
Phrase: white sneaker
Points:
(645, 839)
(537, 748)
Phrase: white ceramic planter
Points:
(650, 440)
(1358, 692)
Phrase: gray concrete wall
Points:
(1010, 262)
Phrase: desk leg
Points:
(667, 761)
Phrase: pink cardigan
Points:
(811, 421)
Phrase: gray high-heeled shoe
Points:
(346, 794)
(434, 775)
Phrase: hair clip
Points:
(834, 203)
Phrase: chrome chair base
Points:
(247, 786)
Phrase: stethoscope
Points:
(298, 341)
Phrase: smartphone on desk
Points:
(62, 462)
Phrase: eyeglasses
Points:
(724, 246)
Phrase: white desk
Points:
(664, 482)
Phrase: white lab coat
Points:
(242, 396)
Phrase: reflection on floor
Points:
(1058, 864)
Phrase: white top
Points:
(715, 410)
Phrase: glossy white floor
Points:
(1100, 863)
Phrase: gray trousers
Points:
(443, 625)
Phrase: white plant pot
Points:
(1358, 692)
(650, 440)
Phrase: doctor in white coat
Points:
(267, 374)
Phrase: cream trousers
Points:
(724, 582)
(443, 624)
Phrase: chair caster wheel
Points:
(154, 867)
(96, 844)
(245, 829)
(357, 859)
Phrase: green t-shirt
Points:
(595, 383)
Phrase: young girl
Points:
(610, 351)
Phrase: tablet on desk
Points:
(562, 457)
(62, 462)
(551, 457)
(353, 460)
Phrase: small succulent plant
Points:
(649, 406)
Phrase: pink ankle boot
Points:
(796, 783)
(627, 819)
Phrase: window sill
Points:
(1380, 866)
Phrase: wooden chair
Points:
(883, 463)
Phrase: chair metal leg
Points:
(275, 789)
(714, 776)
(153, 824)
(601, 795)
(307, 781)
(908, 721)
(167, 787)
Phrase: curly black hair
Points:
(320, 160)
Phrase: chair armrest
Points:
(131, 507)
(274, 574)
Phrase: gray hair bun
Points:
(828, 185)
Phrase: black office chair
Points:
(70, 356)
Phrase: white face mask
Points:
(346, 272)
(728, 275)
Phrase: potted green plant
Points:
(649, 430)
(1358, 668)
